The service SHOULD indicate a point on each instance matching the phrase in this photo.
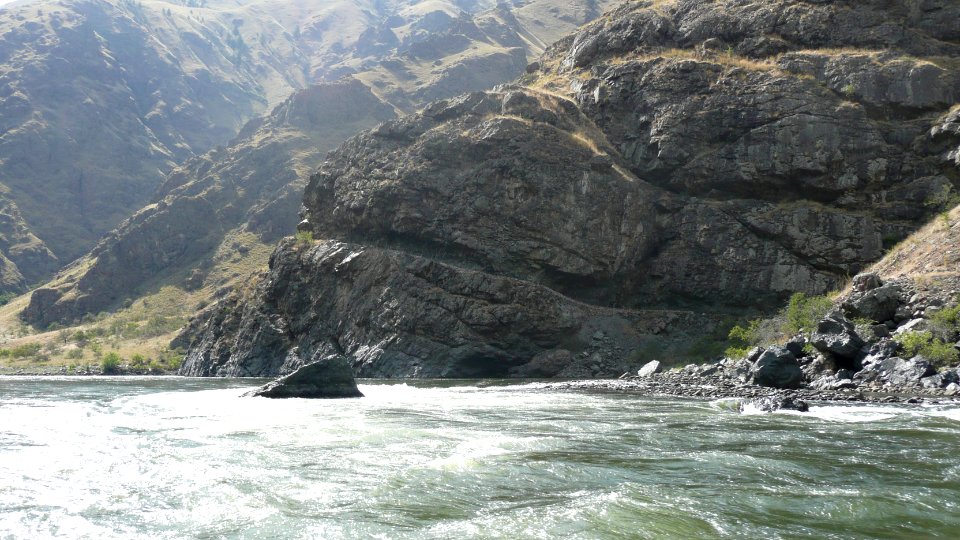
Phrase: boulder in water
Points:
(776, 403)
(329, 377)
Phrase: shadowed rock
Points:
(777, 368)
(327, 378)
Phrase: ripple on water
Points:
(111, 458)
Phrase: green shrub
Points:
(800, 315)
(743, 338)
(26, 350)
(138, 360)
(304, 237)
(75, 354)
(946, 322)
(926, 345)
(110, 363)
(172, 359)
(804, 312)
(912, 342)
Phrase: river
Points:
(131, 457)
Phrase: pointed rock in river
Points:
(329, 377)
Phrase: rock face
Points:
(395, 314)
(673, 155)
(103, 98)
(328, 377)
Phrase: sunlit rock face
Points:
(672, 155)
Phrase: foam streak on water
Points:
(172, 458)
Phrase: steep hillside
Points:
(254, 185)
(709, 157)
(100, 99)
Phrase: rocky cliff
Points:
(256, 182)
(101, 99)
(704, 156)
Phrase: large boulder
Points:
(328, 377)
(778, 368)
(879, 304)
(649, 369)
(838, 336)
(866, 281)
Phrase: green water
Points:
(172, 458)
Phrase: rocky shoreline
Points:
(683, 385)
(858, 352)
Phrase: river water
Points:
(179, 458)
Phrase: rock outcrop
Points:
(101, 99)
(672, 155)
(327, 378)
(396, 314)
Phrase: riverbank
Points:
(668, 384)
(91, 370)
(687, 386)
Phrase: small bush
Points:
(138, 360)
(304, 237)
(931, 348)
(110, 363)
(75, 354)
